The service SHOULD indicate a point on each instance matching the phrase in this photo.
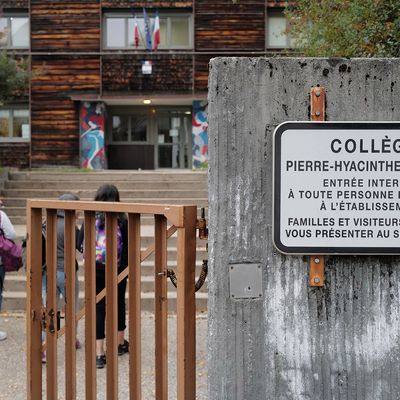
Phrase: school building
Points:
(119, 84)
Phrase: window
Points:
(175, 31)
(277, 36)
(14, 31)
(14, 124)
(129, 128)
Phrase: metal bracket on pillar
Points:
(317, 270)
(317, 263)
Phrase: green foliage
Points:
(13, 77)
(346, 28)
(202, 166)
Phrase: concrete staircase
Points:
(168, 187)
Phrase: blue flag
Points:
(147, 30)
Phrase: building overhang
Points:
(155, 99)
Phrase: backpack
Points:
(10, 253)
(101, 241)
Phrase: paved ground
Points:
(13, 361)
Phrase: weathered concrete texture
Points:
(337, 342)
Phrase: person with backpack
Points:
(9, 232)
(60, 282)
(108, 192)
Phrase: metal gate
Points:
(182, 219)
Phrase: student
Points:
(60, 281)
(9, 233)
(109, 192)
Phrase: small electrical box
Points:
(245, 281)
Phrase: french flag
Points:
(156, 31)
(136, 32)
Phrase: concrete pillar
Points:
(341, 341)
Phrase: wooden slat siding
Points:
(14, 154)
(54, 117)
(224, 25)
(145, 3)
(201, 72)
(65, 26)
(172, 73)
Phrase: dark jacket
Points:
(123, 224)
(60, 242)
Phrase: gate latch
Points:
(202, 226)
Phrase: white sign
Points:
(337, 187)
(147, 68)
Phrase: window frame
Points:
(115, 112)
(277, 12)
(9, 16)
(164, 15)
(10, 138)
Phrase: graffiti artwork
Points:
(91, 124)
(200, 134)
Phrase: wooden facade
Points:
(67, 60)
(222, 25)
(14, 155)
(171, 73)
(54, 116)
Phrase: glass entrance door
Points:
(149, 137)
(174, 137)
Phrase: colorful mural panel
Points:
(91, 124)
(200, 135)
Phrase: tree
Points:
(13, 77)
(346, 28)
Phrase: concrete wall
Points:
(341, 341)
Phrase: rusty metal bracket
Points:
(317, 113)
(202, 226)
(317, 270)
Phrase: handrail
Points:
(173, 213)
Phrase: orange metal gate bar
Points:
(134, 282)
(34, 304)
(186, 307)
(90, 306)
(160, 308)
(70, 319)
(51, 303)
(184, 219)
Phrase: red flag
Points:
(156, 31)
(136, 32)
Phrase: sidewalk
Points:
(13, 361)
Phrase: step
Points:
(17, 283)
(124, 194)
(200, 202)
(16, 301)
(152, 187)
(110, 176)
(74, 185)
